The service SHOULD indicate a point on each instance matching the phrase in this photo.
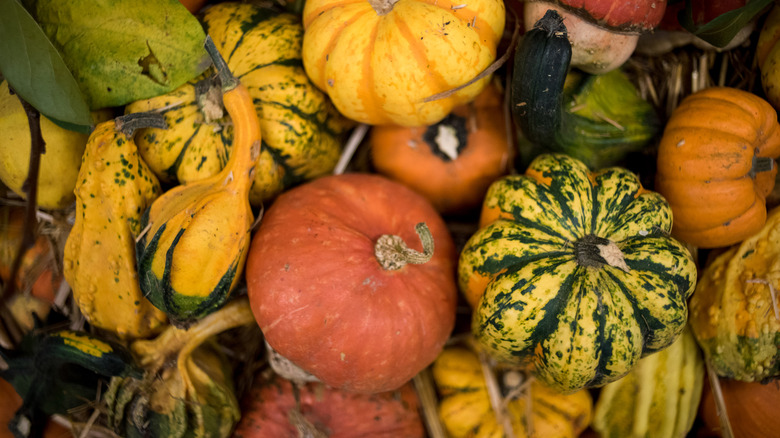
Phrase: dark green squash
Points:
(540, 66)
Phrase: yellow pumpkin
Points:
(379, 60)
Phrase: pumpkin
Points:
(193, 254)
(575, 272)
(341, 286)
(658, 398)
(452, 162)
(379, 60)
(275, 408)
(465, 409)
(715, 165)
(751, 408)
(114, 188)
(603, 33)
(301, 129)
(734, 311)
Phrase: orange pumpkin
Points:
(379, 60)
(715, 165)
(452, 162)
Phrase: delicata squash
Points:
(193, 253)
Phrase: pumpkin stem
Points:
(392, 253)
(762, 164)
(226, 77)
(595, 251)
(382, 7)
(129, 123)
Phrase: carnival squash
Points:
(274, 407)
(452, 162)
(534, 410)
(193, 254)
(379, 60)
(659, 398)
(575, 272)
(715, 165)
(302, 130)
(114, 188)
(734, 311)
(603, 33)
(341, 286)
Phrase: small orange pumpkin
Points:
(452, 162)
(716, 165)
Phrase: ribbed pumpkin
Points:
(301, 128)
(734, 311)
(465, 408)
(275, 407)
(576, 272)
(339, 286)
(379, 60)
(452, 162)
(715, 165)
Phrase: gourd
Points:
(60, 164)
(658, 398)
(575, 272)
(274, 407)
(342, 287)
(603, 33)
(533, 408)
(537, 93)
(114, 188)
(193, 254)
(715, 165)
(734, 311)
(598, 119)
(185, 387)
(55, 372)
(380, 60)
(302, 130)
(452, 162)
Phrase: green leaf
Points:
(125, 50)
(721, 30)
(35, 70)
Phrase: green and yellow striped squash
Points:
(301, 128)
(659, 398)
(575, 272)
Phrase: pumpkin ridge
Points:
(483, 29)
